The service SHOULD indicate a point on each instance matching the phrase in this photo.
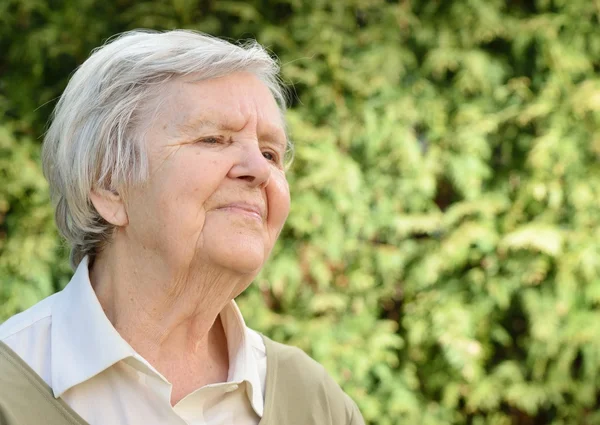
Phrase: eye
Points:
(270, 156)
(211, 140)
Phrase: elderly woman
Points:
(166, 161)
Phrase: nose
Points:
(252, 166)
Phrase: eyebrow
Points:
(192, 127)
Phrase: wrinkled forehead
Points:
(234, 102)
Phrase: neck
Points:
(169, 315)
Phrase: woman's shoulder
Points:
(293, 360)
(292, 375)
(27, 320)
(28, 335)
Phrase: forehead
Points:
(234, 102)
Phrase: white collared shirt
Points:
(68, 340)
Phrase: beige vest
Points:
(299, 392)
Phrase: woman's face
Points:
(217, 192)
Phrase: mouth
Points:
(249, 210)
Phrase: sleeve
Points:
(355, 417)
(6, 418)
(342, 408)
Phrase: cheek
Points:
(278, 195)
(192, 181)
(179, 196)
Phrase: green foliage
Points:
(442, 256)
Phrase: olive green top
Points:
(299, 392)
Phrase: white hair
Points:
(95, 139)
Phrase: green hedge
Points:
(442, 256)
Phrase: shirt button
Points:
(231, 388)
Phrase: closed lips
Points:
(248, 208)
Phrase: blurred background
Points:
(442, 255)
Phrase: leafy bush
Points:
(441, 258)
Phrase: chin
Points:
(250, 266)
(240, 248)
(244, 258)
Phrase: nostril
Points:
(249, 179)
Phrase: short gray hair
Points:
(95, 137)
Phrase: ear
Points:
(110, 206)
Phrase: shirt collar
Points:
(242, 361)
(85, 343)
